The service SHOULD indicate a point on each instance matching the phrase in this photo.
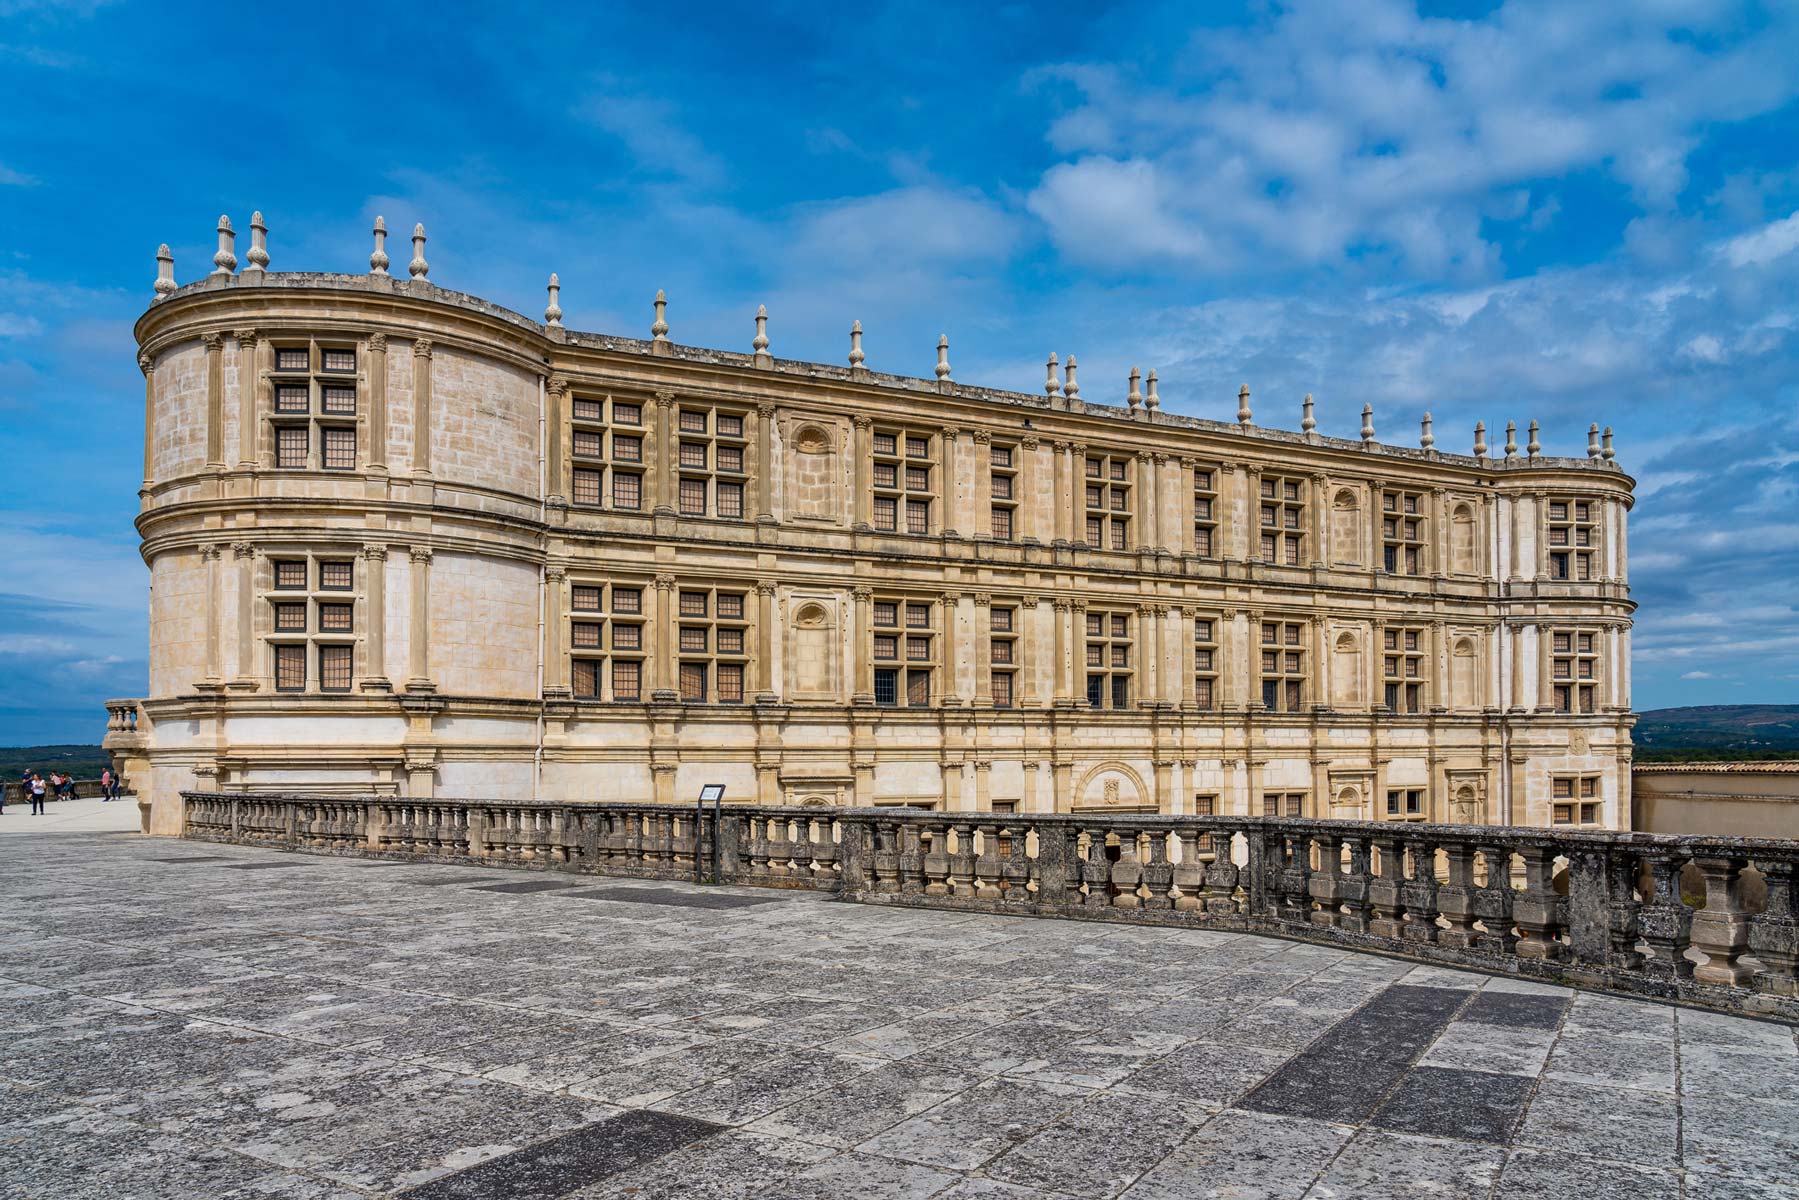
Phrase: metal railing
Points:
(1590, 909)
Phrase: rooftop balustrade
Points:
(1711, 922)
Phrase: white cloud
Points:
(1698, 675)
(651, 129)
(1764, 245)
(1332, 134)
(12, 178)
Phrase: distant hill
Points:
(83, 762)
(1725, 732)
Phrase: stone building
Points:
(405, 541)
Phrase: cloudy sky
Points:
(1568, 212)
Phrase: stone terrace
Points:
(194, 1020)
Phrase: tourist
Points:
(66, 789)
(108, 785)
(37, 794)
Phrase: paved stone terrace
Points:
(188, 1020)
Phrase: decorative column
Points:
(1520, 701)
(1437, 537)
(952, 499)
(981, 523)
(1077, 625)
(1545, 697)
(983, 647)
(555, 394)
(1143, 496)
(248, 389)
(555, 656)
(1030, 642)
(664, 689)
(421, 410)
(1076, 496)
(1059, 665)
(215, 399)
(1232, 518)
(209, 557)
(864, 472)
(665, 454)
(1164, 785)
(1320, 519)
(860, 651)
(983, 785)
(1225, 691)
(765, 641)
(1062, 505)
(764, 483)
(1439, 689)
(148, 367)
(243, 555)
(375, 364)
(951, 603)
(1146, 658)
(374, 586)
(1029, 511)
(1030, 766)
(419, 645)
(1377, 560)
(1189, 666)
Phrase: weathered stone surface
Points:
(183, 1029)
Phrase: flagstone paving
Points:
(185, 1020)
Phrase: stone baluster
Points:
(1015, 869)
(1623, 926)
(1325, 884)
(1721, 928)
(1222, 876)
(987, 865)
(1158, 872)
(1455, 899)
(1127, 872)
(1493, 903)
(883, 862)
(1541, 915)
(1096, 869)
(1352, 888)
(936, 859)
(1774, 932)
(1420, 892)
(1386, 891)
(911, 860)
(799, 849)
(1667, 921)
(1189, 875)
(961, 860)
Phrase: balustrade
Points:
(1601, 909)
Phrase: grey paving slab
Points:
(194, 1029)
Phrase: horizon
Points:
(1485, 211)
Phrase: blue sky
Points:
(1568, 212)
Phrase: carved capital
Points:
(145, 364)
(862, 595)
(1159, 459)
(421, 348)
(766, 411)
(556, 385)
(245, 337)
(765, 587)
(1030, 764)
(377, 343)
(665, 583)
(983, 599)
(1030, 443)
(210, 553)
(420, 554)
(951, 599)
(375, 553)
(951, 432)
(555, 574)
(1078, 449)
(983, 437)
(1062, 603)
(1144, 456)
(214, 342)
(665, 399)
(243, 549)
(861, 422)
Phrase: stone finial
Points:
(1135, 396)
(552, 313)
(1071, 387)
(760, 342)
(1536, 446)
(225, 261)
(378, 260)
(1480, 439)
(165, 271)
(1606, 451)
(259, 245)
(1308, 419)
(943, 357)
(418, 267)
(1426, 438)
(857, 358)
(659, 327)
(1051, 385)
(1367, 424)
(1593, 440)
(1511, 439)
(1152, 401)
(1244, 416)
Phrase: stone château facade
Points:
(404, 541)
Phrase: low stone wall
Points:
(85, 789)
(1598, 910)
